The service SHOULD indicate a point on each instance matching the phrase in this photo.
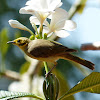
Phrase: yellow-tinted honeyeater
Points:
(49, 51)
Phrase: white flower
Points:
(34, 20)
(40, 8)
(59, 23)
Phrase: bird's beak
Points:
(12, 42)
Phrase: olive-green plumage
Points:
(49, 51)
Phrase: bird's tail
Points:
(81, 61)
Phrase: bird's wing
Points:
(46, 48)
(66, 49)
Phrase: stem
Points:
(35, 28)
(40, 31)
(74, 8)
(46, 67)
(2, 64)
(30, 32)
(11, 75)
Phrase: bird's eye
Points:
(19, 41)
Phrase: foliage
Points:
(3, 47)
(24, 67)
(54, 85)
(3, 42)
(5, 95)
(89, 84)
(50, 87)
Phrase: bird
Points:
(48, 51)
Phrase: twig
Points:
(34, 66)
(74, 8)
(91, 46)
(11, 75)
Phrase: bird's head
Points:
(20, 42)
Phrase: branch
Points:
(33, 69)
(74, 8)
(11, 75)
(91, 46)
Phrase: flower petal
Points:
(44, 5)
(53, 4)
(70, 25)
(45, 29)
(34, 20)
(16, 24)
(25, 11)
(59, 16)
(34, 4)
(40, 8)
(46, 24)
(62, 33)
(41, 16)
(60, 4)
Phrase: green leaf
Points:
(3, 42)
(24, 67)
(5, 95)
(89, 84)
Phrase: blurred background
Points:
(88, 31)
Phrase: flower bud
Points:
(45, 35)
(51, 87)
(32, 37)
(16, 24)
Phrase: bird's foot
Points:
(51, 70)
